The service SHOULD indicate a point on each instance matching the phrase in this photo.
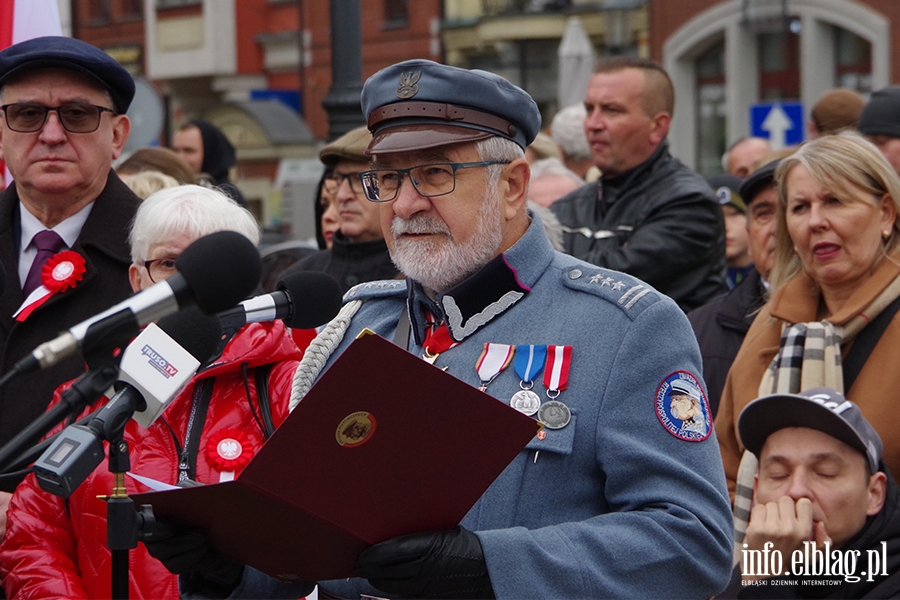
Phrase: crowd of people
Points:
(717, 387)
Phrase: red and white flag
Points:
(22, 20)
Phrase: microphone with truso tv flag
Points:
(155, 368)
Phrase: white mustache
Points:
(419, 224)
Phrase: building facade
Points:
(726, 57)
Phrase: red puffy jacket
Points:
(57, 549)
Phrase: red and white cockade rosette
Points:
(229, 450)
(61, 272)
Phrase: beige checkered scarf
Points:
(809, 356)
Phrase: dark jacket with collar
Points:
(350, 262)
(103, 242)
(720, 326)
(660, 222)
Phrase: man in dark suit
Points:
(64, 220)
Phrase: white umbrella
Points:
(576, 64)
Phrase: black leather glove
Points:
(443, 564)
(184, 550)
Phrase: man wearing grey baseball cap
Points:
(821, 487)
(616, 484)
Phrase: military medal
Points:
(528, 364)
(553, 413)
(492, 361)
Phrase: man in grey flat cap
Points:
(613, 485)
(63, 122)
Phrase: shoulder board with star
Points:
(376, 289)
(628, 293)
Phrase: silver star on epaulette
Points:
(618, 286)
(606, 281)
(596, 278)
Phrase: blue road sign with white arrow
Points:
(781, 122)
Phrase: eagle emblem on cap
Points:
(408, 87)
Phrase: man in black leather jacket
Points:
(649, 215)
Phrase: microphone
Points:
(155, 368)
(161, 361)
(304, 300)
(214, 273)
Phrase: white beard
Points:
(441, 264)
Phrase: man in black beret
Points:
(625, 477)
(65, 217)
(880, 122)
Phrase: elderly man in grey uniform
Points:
(615, 499)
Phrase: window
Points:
(395, 13)
(98, 11)
(779, 66)
(710, 102)
(132, 9)
(853, 62)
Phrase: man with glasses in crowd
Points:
(63, 122)
(358, 252)
(611, 487)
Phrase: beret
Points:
(420, 104)
(758, 180)
(881, 116)
(350, 146)
(68, 53)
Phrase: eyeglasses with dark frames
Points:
(435, 179)
(160, 269)
(28, 117)
(334, 181)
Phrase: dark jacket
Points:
(349, 262)
(883, 527)
(720, 326)
(659, 222)
(103, 242)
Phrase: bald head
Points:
(740, 160)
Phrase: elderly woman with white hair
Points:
(57, 548)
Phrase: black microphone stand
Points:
(123, 523)
(99, 349)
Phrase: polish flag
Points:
(22, 20)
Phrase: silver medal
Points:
(554, 414)
(526, 402)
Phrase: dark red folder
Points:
(384, 444)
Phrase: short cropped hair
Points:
(659, 93)
(842, 163)
(189, 210)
